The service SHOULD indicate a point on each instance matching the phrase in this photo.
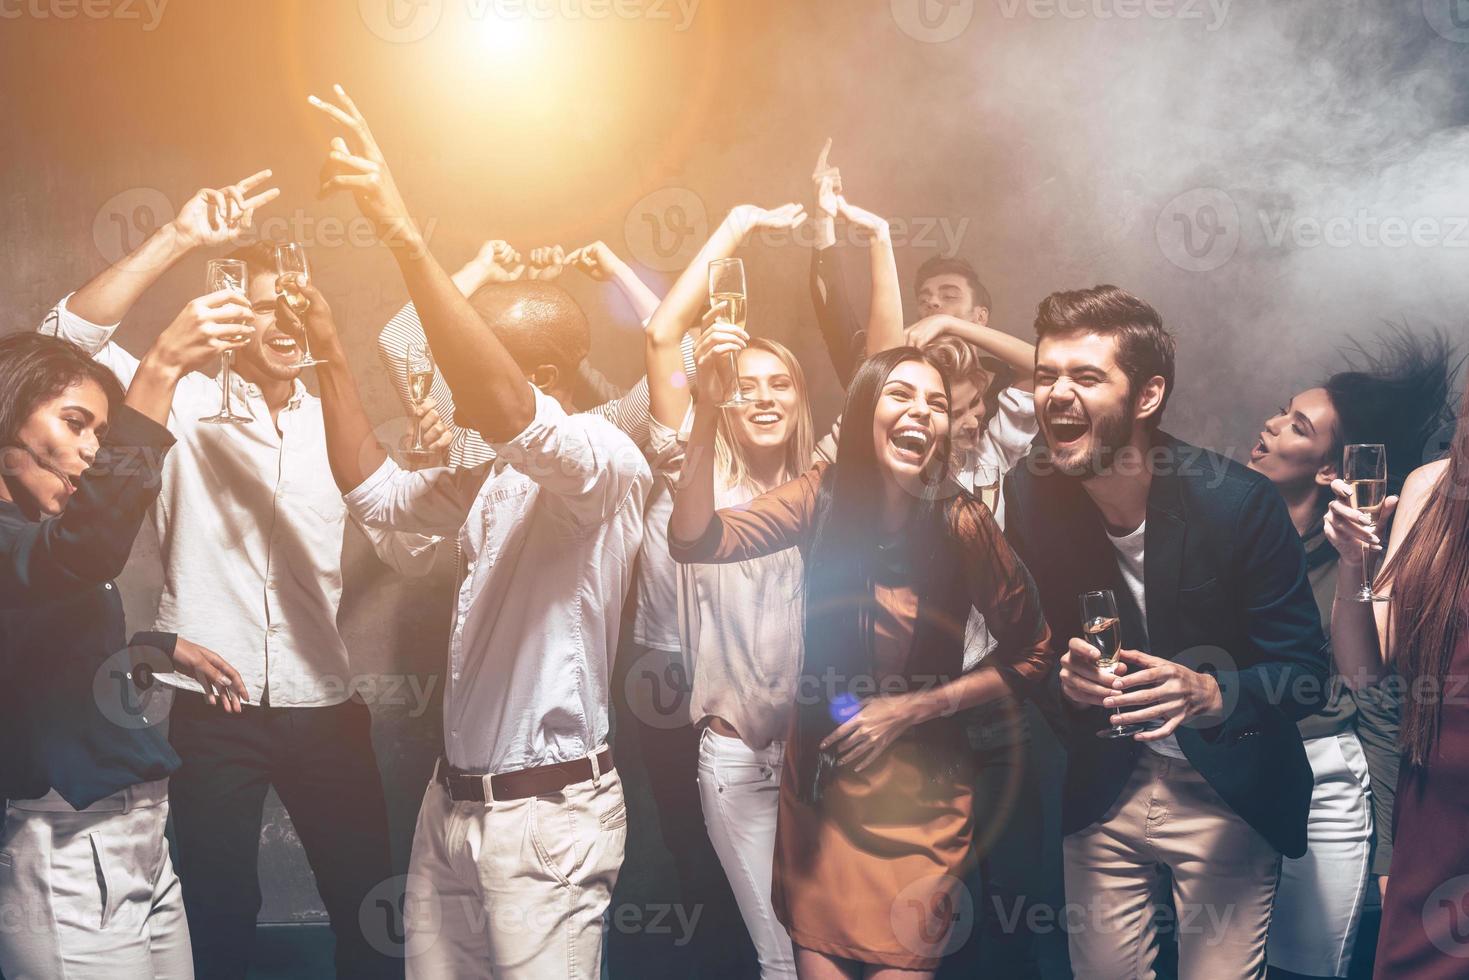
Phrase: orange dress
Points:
(874, 871)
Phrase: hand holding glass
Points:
(420, 382)
(292, 270)
(226, 274)
(1102, 628)
(727, 289)
(1364, 468)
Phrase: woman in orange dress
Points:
(876, 815)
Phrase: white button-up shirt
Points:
(250, 526)
(553, 527)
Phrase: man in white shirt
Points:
(521, 832)
(251, 530)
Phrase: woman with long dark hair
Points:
(86, 886)
(876, 805)
(1422, 635)
(1395, 395)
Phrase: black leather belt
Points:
(469, 787)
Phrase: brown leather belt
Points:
(469, 787)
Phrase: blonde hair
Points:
(729, 459)
(960, 362)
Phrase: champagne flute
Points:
(1364, 468)
(293, 269)
(226, 274)
(1102, 628)
(420, 381)
(727, 288)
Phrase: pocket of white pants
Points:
(570, 833)
(107, 894)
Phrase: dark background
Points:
(1190, 152)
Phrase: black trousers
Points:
(321, 763)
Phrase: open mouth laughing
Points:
(1067, 430)
(911, 443)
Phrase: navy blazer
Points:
(1226, 592)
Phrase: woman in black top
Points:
(86, 887)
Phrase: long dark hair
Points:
(840, 563)
(35, 368)
(1430, 595)
(1396, 395)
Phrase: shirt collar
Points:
(251, 390)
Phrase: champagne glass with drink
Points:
(727, 289)
(1364, 468)
(420, 381)
(293, 270)
(1102, 628)
(226, 274)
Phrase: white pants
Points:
(740, 790)
(513, 890)
(1319, 902)
(91, 893)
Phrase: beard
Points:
(1109, 434)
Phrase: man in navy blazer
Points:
(1222, 652)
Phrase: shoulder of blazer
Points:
(1203, 484)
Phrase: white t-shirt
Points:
(1130, 562)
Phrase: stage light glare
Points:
(505, 38)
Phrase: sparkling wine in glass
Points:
(727, 289)
(1102, 628)
(293, 270)
(1364, 468)
(420, 382)
(226, 274)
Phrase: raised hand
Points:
(219, 217)
(875, 226)
(929, 329)
(828, 181)
(499, 262)
(547, 262)
(205, 328)
(711, 354)
(301, 309)
(747, 218)
(359, 166)
(595, 260)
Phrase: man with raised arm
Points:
(250, 527)
(520, 836)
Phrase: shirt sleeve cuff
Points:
(89, 336)
(696, 551)
(166, 642)
(548, 410)
(360, 498)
